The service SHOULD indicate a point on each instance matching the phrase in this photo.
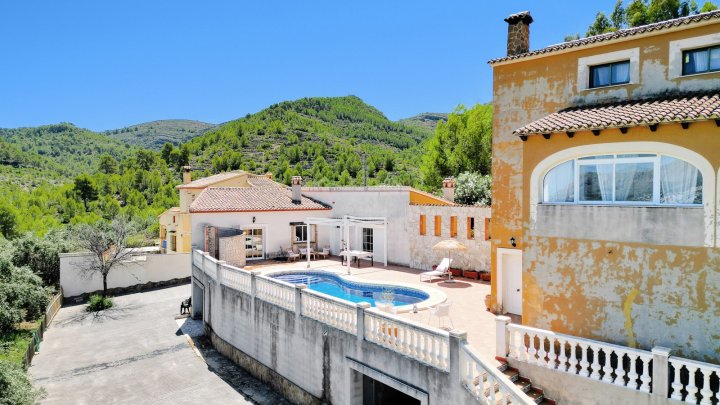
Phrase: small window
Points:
(487, 229)
(471, 228)
(610, 74)
(438, 225)
(453, 226)
(423, 225)
(701, 60)
(367, 240)
(173, 219)
(301, 234)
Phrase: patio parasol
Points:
(449, 245)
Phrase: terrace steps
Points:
(535, 393)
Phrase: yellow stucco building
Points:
(606, 153)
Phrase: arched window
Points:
(635, 179)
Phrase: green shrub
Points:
(15, 386)
(97, 303)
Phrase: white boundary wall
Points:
(143, 269)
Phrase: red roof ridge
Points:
(623, 33)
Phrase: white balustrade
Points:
(332, 311)
(197, 258)
(210, 266)
(425, 344)
(486, 382)
(693, 377)
(275, 292)
(236, 278)
(619, 365)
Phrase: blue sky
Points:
(104, 65)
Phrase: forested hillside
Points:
(323, 139)
(425, 120)
(53, 152)
(153, 135)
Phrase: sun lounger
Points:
(442, 270)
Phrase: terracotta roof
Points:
(628, 114)
(242, 199)
(712, 15)
(206, 181)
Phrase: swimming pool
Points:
(337, 286)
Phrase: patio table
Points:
(359, 254)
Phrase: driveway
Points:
(137, 353)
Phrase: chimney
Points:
(187, 176)
(296, 189)
(518, 39)
(269, 175)
(449, 189)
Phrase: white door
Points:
(512, 282)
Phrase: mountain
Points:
(53, 152)
(323, 139)
(425, 120)
(153, 135)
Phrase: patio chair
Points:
(324, 253)
(441, 311)
(291, 255)
(307, 252)
(442, 270)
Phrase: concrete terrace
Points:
(468, 310)
(138, 353)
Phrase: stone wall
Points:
(476, 257)
(232, 250)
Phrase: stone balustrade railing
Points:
(434, 347)
(653, 372)
(275, 292)
(236, 278)
(487, 384)
(329, 310)
(692, 381)
(425, 344)
(600, 361)
(210, 265)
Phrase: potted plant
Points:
(485, 276)
(473, 274)
(456, 272)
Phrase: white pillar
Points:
(307, 238)
(661, 371)
(385, 239)
(346, 224)
(501, 341)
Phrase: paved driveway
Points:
(136, 353)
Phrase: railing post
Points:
(458, 339)
(253, 293)
(298, 299)
(660, 372)
(501, 336)
(361, 307)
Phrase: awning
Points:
(651, 112)
(345, 223)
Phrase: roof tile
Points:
(628, 113)
(711, 15)
(240, 199)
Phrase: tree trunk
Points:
(104, 294)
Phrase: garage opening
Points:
(377, 393)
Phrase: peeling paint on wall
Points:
(627, 308)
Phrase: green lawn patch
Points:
(13, 345)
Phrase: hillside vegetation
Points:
(53, 153)
(425, 120)
(153, 135)
(322, 139)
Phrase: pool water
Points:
(336, 286)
